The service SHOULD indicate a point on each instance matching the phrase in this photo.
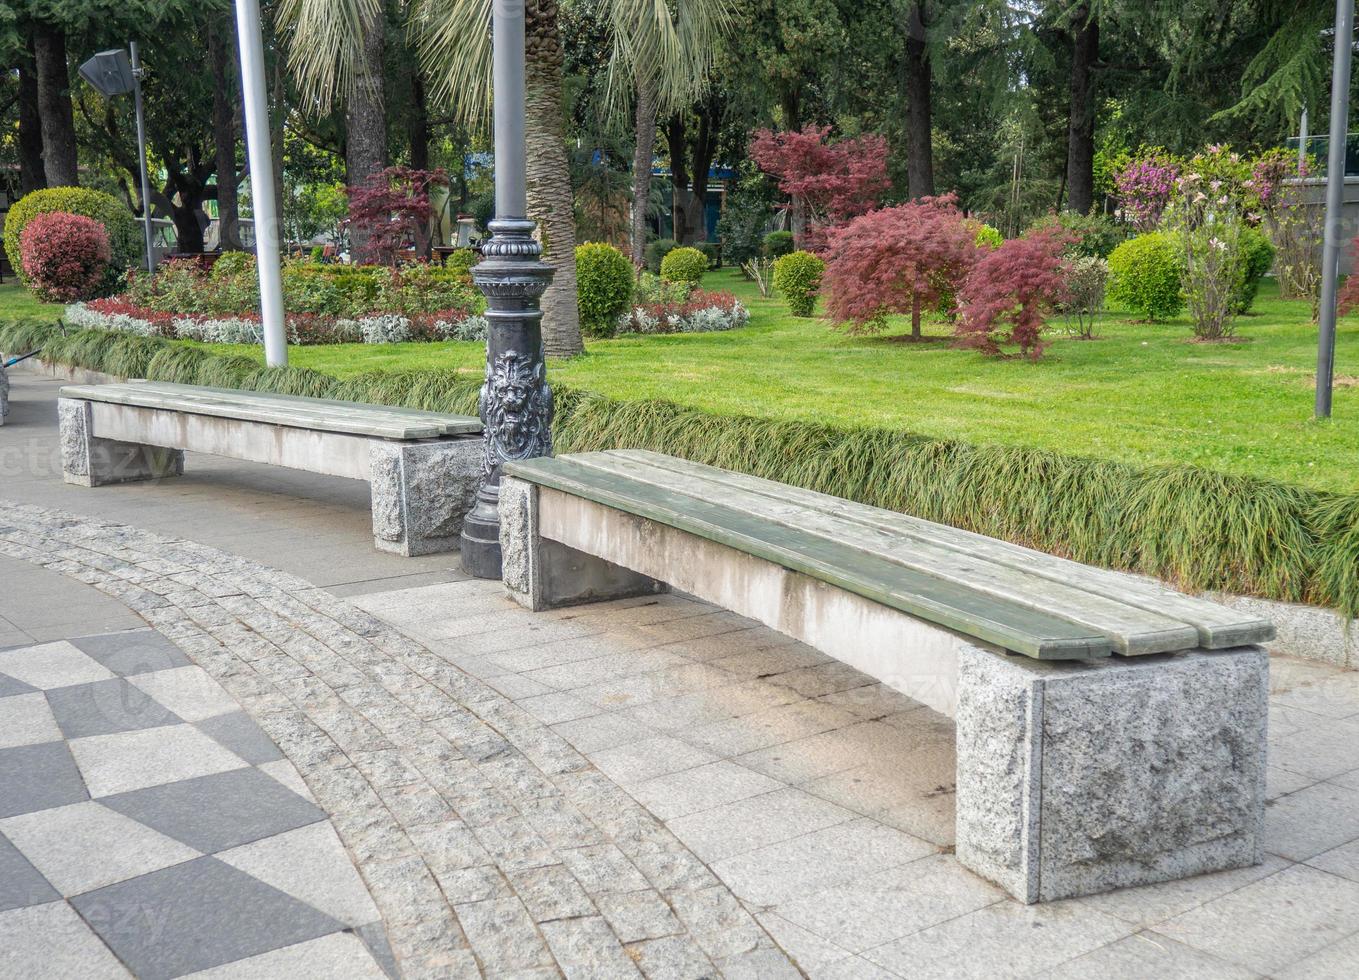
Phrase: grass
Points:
(1141, 394)
(17, 302)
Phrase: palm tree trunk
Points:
(365, 120)
(54, 106)
(224, 137)
(641, 167)
(550, 201)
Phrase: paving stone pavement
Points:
(488, 844)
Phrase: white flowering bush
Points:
(388, 328)
(229, 330)
(472, 328)
(700, 312)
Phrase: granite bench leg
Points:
(544, 574)
(4, 389)
(88, 461)
(421, 491)
(1080, 777)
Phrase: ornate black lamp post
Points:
(516, 402)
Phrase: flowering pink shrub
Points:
(64, 256)
(1018, 284)
(898, 260)
(1145, 186)
(833, 181)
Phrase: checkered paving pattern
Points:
(149, 827)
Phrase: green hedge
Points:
(1201, 529)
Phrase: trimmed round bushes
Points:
(684, 265)
(777, 244)
(798, 276)
(65, 256)
(124, 237)
(655, 252)
(603, 286)
(1145, 275)
(1257, 256)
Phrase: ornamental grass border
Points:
(1200, 529)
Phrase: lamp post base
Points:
(516, 402)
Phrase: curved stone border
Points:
(486, 840)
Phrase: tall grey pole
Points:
(262, 197)
(516, 402)
(1302, 144)
(1335, 202)
(141, 154)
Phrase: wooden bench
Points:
(423, 467)
(1110, 731)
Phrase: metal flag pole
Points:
(141, 154)
(263, 198)
(516, 402)
(1335, 202)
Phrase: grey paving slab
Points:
(238, 732)
(51, 942)
(1315, 819)
(105, 707)
(1149, 955)
(1338, 961)
(755, 822)
(21, 884)
(35, 777)
(9, 687)
(216, 812)
(703, 788)
(124, 761)
(338, 956)
(27, 720)
(133, 652)
(196, 915)
(84, 846)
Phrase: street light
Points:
(114, 73)
(516, 402)
(259, 150)
(1335, 202)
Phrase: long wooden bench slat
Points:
(1218, 626)
(322, 415)
(1131, 630)
(1001, 622)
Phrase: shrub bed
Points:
(124, 234)
(66, 256)
(1195, 527)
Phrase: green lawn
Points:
(17, 302)
(1141, 393)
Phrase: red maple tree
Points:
(1016, 285)
(830, 182)
(391, 212)
(901, 259)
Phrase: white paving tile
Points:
(85, 846)
(189, 692)
(25, 719)
(339, 956)
(1338, 961)
(134, 760)
(1271, 923)
(286, 773)
(52, 665)
(755, 822)
(1315, 819)
(309, 864)
(1151, 956)
(52, 942)
(698, 789)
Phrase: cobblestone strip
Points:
(487, 841)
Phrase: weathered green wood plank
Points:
(1002, 622)
(1218, 626)
(1132, 630)
(286, 410)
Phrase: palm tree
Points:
(661, 52)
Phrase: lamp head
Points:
(110, 72)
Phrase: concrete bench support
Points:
(1079, 777)
(421, 493)
(88, 461)
(1074, 776)
(4, 389)
(545, 574)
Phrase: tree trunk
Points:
(365, 120)
(32, 177)
(417, 128)
(550, 201)
(915, 316)
(224, 137)
(54, 106)
(919, 127)
(1080, 138)
(641, 167)
(695, 197)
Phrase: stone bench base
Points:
(421, 489)
(4, 390)
(1074, 777)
